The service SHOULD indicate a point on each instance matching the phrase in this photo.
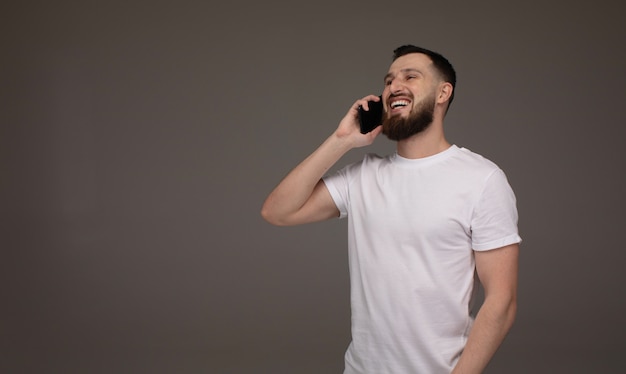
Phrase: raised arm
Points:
(301, 197)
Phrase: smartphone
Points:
(370, 119)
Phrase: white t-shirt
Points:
(413, 226)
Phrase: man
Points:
(422, 223)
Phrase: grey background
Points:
(139, 140)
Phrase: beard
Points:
(399, 128)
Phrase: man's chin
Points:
(399, 128)
(399, 114)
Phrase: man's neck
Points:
(427, 143)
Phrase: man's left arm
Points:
(497, 270)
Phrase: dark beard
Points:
(399, 128)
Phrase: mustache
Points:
(392, 95)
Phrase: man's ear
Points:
(445, 91)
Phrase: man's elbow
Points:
(272, 217)
(508, 312)
(502, 311)
(511, 312)
(269, 217)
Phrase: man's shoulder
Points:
(369, 160)
(476, 160)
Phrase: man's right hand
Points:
(349, 129)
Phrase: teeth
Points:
(399, 103)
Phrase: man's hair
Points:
(442, 65)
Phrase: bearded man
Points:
(425, 225)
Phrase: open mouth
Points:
(399, 104)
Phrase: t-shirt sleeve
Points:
(337, 185)
(494, 219)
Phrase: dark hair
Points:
(443, 66)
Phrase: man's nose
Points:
(395, 86)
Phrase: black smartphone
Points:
(370, 119)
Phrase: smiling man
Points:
(423, 222)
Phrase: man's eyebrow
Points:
(407, 70)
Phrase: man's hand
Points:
(349, 129)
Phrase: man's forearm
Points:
(301, 196)
(493, 322)
(296, 188)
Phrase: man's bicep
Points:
(319, 207)
(497, 270)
